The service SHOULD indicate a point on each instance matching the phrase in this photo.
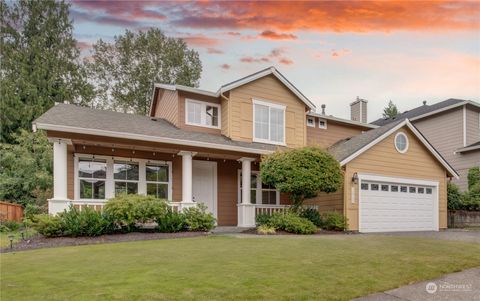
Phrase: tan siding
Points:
(464, 162)
(327, 201)
(445, 132)
(334, 132)
(383, 159)
(167, 106)
(225, 128)
(272, 90)
(473, 126)
(181, 112)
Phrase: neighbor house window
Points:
(401, 142)
(202, 113)
(92, 174)
(311, 121)
(322, 123)
(157, 178)
(268, 123)
(259, 193)
(125, 175)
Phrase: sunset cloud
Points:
(225, 66)
(268, 34)
(199, 40)
(214, 51)
(285, 61)
(250, 59)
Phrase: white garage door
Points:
(389, 207)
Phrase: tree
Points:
(26, 169)
(124, 71)
(40, 63)
(302, 173)
(390, 111)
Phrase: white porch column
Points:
(60, 200)
(246, 210)
(187, 179)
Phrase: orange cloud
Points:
(225, 66)
(199, 40)
(337, 16)
(214, 51)
(250, 59)
(285, 61)
(268, 34)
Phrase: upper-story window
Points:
(322, 123)
(311, 121)
(201, 113)
(268, 122)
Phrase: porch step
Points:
(228, 229)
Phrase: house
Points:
(200, 146)
(453, 128)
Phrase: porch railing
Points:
(175, 206)
(271, 209)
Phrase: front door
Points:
(205, 184)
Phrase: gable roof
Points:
(242, 81)
(82, 120)
(348, 149)
(427, 110)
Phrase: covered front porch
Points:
(89, 170)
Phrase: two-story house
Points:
(200, 146)
(453, 128)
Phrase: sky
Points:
(404, 51)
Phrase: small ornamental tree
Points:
(302, 173)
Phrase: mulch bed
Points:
(319, 232)
(39, 241)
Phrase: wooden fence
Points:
(461, 218)
(10, 212)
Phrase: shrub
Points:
(470, 201)
(334, 221)
(454, 197)
(302, 173)
(265, 230)
(262, 219)
(129, 210)
(31, 210)
(171, 221)
(47, 225)
(11, 225)
(474, 179)
(197, 219)
(4, 229)
(86, 222)
(312, 215)
(291, 222)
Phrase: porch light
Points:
(355, 178)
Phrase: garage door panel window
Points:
(412, 189)
(403, 188)
(421, 190)
(374, 187)
(384, 187)
(364, 186)
(429, 190)
(394, 188)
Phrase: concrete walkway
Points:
(460, 286)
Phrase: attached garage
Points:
(392, 204)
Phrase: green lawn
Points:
(17, 236)
(229, 268)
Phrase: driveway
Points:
(471, 235)
(457, 286)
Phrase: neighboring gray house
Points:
(453, 128)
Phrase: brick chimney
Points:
(358, 110)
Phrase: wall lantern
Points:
(355, 178)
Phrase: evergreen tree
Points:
(40, 63)
(125, 70)
(390, 111)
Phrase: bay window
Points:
(268, 122)
(260, 193)
(201, 113)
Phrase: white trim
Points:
(203, 113)
(141, 137)
(347, 121)
(215, 187)
(313, 123)
(324, 127)
(464, 125)
(416, 133)
(258, 191)
(466, 102)
(269, 105)
(110, 181)
(241, 82)
(397, 180)
(406, 141)
(466, 149)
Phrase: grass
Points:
(17, 236)
(229, 268)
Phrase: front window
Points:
(269, 122)
(401, 142)
(202, 113)
(157, 180)
(92, 174)
(125, 175)
(260, 193)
